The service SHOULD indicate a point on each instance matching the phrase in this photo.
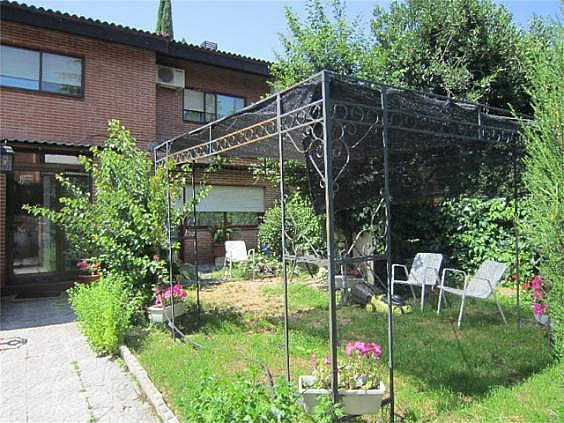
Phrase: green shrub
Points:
(467, 230)
(243, 399)
(303, 227)
(544, 175)
(104, 310)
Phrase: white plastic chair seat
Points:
(424, 272)
(481, 285)
(236, 252)
(412, 281)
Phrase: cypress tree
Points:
(164, 19)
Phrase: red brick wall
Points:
(203, 78)
(119, 83)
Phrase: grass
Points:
(442, 373)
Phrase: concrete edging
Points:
(153, 395)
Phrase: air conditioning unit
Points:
(170, 77)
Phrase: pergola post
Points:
(516, 229)
(195, 239)
(283, 232)
(388, 248)
(169, 241)
(330, 228)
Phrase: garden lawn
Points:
(442, 372)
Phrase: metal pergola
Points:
(362, 142)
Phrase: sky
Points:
(248, 27)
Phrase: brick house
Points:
(62, 77)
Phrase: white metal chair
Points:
(236, 252)
(424, 272)
(481, 285)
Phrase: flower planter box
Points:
(356, 402)
(86, 279)
(162, 314)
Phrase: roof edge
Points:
(87, 27)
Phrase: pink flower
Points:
(537, 295)
(327, 360)
(313, 359)
(361, 348)
(345, 321)
(374, 349)
(349, 349)
(537, 309)
(159, 300)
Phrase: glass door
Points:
(33, 238)
(38, 247)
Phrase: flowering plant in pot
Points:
(537, 288)
(89, 270)
(360, 387)
(161, 310)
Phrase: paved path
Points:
(48, 373)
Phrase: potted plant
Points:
(220, 234)
(360, 389)
(537, 288)
(89, 270)
(162, 309)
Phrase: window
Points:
(35, 70)
(206, 107)
(233, 206)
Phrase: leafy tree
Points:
(544, 175)
(459, 48)
(322, 41)
(122, 229)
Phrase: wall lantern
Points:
(6, 158)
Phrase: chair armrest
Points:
(404, 267)
(460, 272)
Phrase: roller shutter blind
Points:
(230, 199)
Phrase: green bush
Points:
(104, 310)
(303, 227)
(544, 175)
(467, 230)
(244, 399)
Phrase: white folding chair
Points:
(236, 252)
(481, 285)
(424, 272)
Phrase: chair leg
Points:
(461, 311)
(440, 299)
(413, 292)
(500, 310)
(422, 297)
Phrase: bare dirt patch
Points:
(244, 295)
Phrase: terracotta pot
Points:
(86, 279)
(218, 250)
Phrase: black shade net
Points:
(437, 147)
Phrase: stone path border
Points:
(150, 390)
